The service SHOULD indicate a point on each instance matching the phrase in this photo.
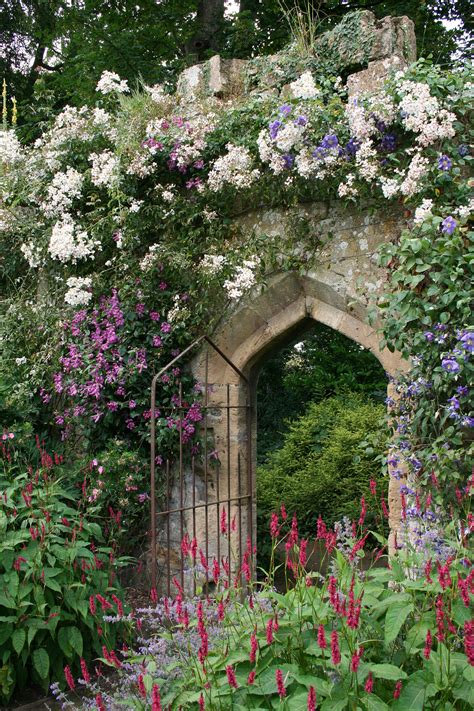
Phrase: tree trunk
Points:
(210, 16)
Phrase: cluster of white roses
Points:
(304, 87)
(233, 168)
(105, 169)
(244, 278)
(212, 263)
(422, 114)
(79, 291)
(110, 82)
(68, 242)
(64, 187)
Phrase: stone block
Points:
(218, 77)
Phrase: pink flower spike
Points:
(69, 678)
(312, 699)
(369, 684)
(155, 698)
(280, 683)
(85, 673)
(322, 637)
(231, 676)
(335, 652)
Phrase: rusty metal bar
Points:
(153, 454)
(228, 480)
(239, 480)
(181, 481)
(193, 470)
(206, 483)
(202, 506)
(168, 557)
(250, 483)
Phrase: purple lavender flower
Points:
(444, 163)
(448, 225)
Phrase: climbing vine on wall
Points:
(118, 243)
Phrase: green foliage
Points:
(327, 460)
(53, 559)
(323, 364)
(119, 478)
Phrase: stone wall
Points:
(335, 291)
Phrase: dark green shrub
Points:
(327, 460)
(325, 364)
(57, 576)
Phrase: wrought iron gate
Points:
(208, 517)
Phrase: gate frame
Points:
(249, 497)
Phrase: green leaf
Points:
(5, 632)
(396, 615)
(415, 694)
(75, 640)
(373, 703)
(41, 662)
(18, 640)
(63, 641)
(387, 671)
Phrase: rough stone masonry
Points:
(334, 292)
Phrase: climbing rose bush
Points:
(144, 185)
(397, 635)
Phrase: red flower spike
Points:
(141, 686)
(155, 698)
(428, 645)
(469, 641)
(231, 676)
(280, 683)
(69, 678)
(335, 652)
(322, 637)
(312, 699)
(85, 672)
(369, 684)
(253, 647)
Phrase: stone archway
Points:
(254, 331)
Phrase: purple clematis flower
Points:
(450, 365)
(448, 225)
(444, 163)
